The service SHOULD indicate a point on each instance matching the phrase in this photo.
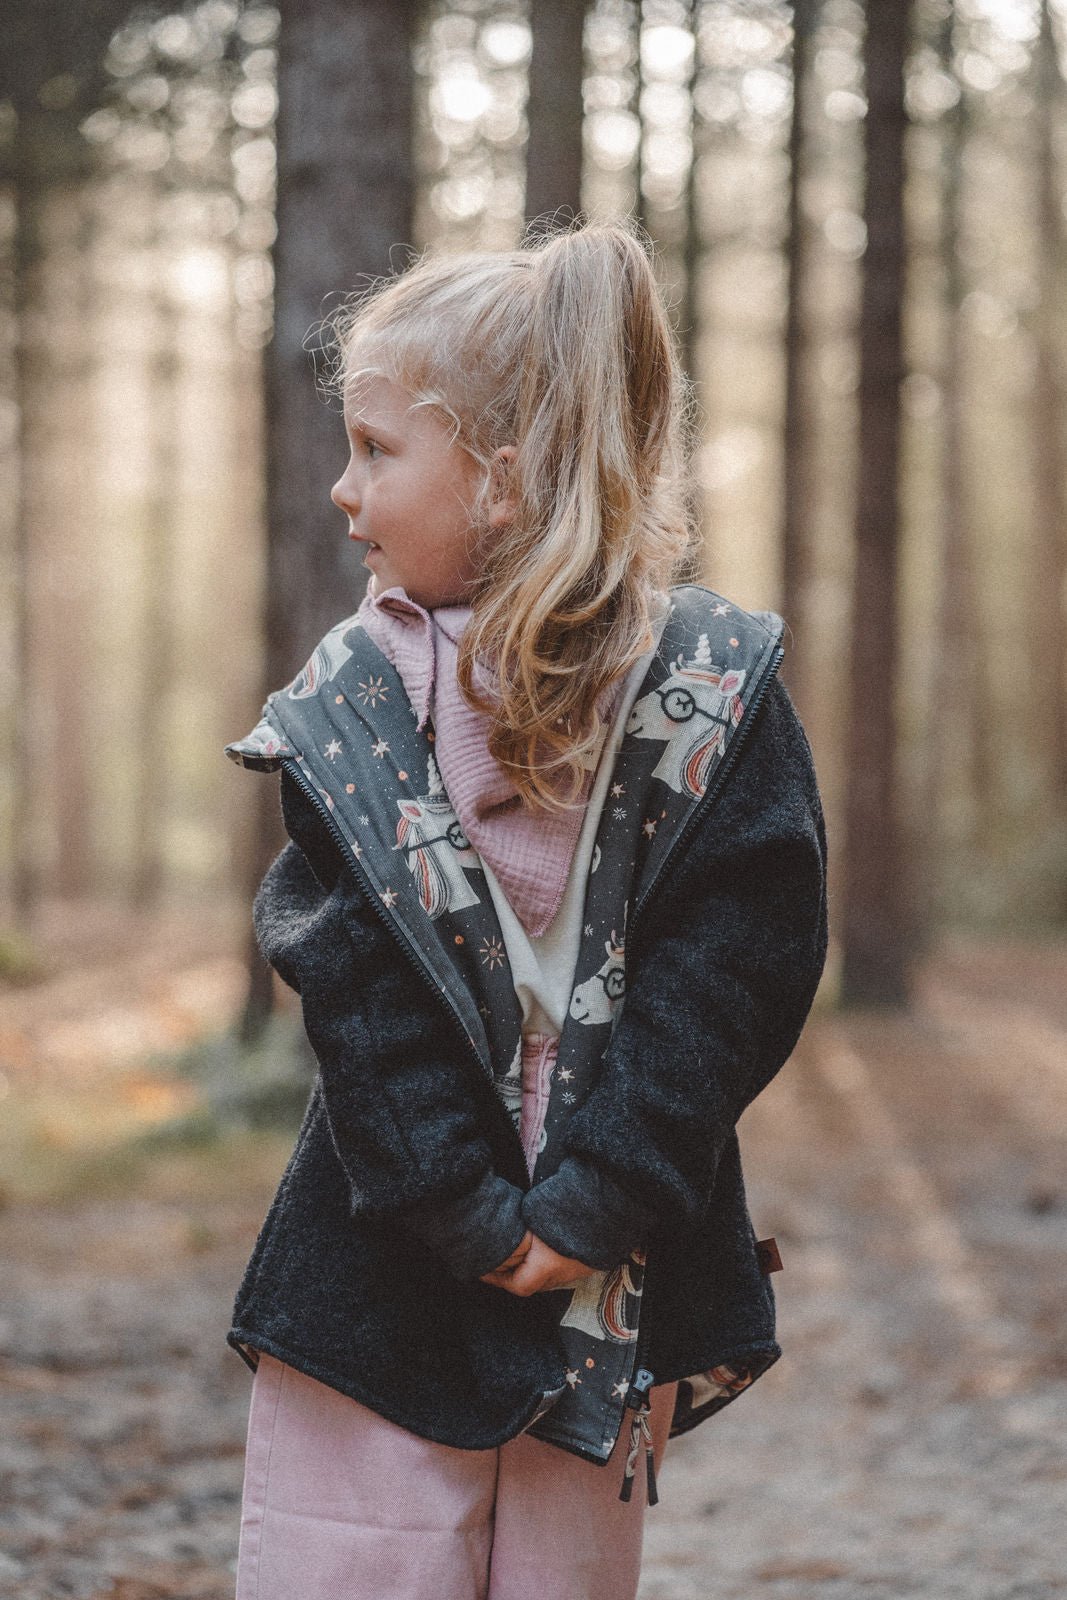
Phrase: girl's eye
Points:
(372, 447)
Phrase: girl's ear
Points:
(502, 497)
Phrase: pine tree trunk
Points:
(635, 106)
(692, 241)
(62, 636)
(958, 771)
(797, 430)
(48, 165)
(25, 874)
(554, 110)
(876, 910)
(346, 187)
(157, 662)
(1049, 569)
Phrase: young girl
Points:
(554, 903)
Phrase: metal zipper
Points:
(637, 1396)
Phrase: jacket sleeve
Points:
(402, 1106)
(722, 970)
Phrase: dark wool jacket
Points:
(407, 1182)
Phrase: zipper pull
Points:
(637, 1401)
(637, 1394)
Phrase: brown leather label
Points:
(770, 1257)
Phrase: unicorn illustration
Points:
(437, 849)
(691, 711)
(264, 740)
(598, 1305)
(597, 998)
(326, 660)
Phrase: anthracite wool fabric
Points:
(407, 1180)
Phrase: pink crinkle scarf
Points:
(530, 852)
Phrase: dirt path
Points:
(913, 1440)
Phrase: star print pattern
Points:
(381, 748)
(492, 953)
(333, 749)
(373, 690)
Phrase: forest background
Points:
(867, 280)
(859, 213)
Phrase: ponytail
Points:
(565, 602)
(561, 350)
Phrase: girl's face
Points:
(407, 492)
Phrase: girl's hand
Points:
(541, 1267)
(500, 1276)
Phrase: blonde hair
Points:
(561, 349)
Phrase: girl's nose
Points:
(344, 496)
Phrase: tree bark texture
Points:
(959, 757)
(797, 426)
(693, 239)
(639, 215)
(346, 201)
(159, 657)
(47, 166)
(1049, 569)
(554, 110)
(25, 869)
(876, 911)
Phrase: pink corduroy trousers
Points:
(340, 1504)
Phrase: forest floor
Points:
(912, 1440)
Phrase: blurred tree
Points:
(635, 107)
(958, 753)
(159, 663)
(692, 306)
(48, 77)
(1048, 422)
(554, 109)
(34, 51)
(798, 424)
(346, 187)
(875, 923)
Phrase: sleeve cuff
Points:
(582, 1213)
(475, 1232)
